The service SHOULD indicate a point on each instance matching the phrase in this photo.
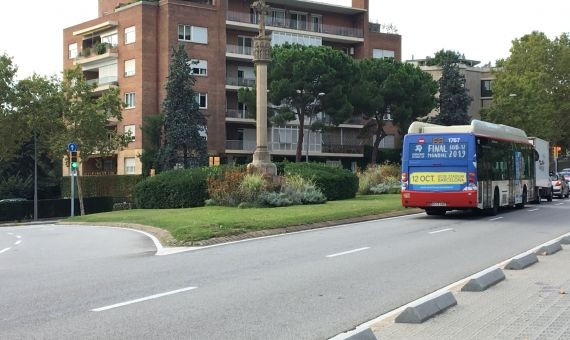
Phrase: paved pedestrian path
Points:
(533, 303)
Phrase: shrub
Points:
(251, 187)
(335, 183)
(173, 189)
(275, 199)
(16, 187)
(391, 185)
(224, 186)
(101, 48)
(301, 190)
(376, 175)
(122, 206)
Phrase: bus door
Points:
(516, 185)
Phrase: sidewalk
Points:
(533, 303)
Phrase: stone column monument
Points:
(261, 58)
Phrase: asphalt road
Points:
(62, 282)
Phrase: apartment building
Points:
(478, 82)
(129, 45)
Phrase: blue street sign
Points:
(72, 147)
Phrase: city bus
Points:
(481, 166)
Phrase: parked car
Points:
(560, 185)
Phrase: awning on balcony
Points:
(96, 28)
(313, 5)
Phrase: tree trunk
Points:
(299, 153)
(379, 136)
(80, 195)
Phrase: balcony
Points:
(343, 149)
(103, 81)
(235, 83)
(239, 53)
(238, 116)
(240, 145)
(328, 32)
(96, 54)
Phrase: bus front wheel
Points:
(435, 212)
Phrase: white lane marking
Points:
(18, 236)
(533, 210)
(348, 252)
(156, 296)
(17, 242)
(4, 250)
(496, 218)
(440, 231)
(559, 203)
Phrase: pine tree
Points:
(454, 99)
(184, 124)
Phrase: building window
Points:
(202, 100)
(244, 45)
(277, 18)
(199, 67)
(193, 34)
(111, 39)
(298, 21)
(130, 130)
(382, 54)
(388, 142)
(316, 23)
(486, 88)
(129, 68)
(130, 100)
(130, 35)
(130, 166)
(72, 51)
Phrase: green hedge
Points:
(24, 210)
(334, 182)
(173, 189)
(104, 186)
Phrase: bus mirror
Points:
(536, 156)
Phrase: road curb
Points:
(425, 310)
(549, 249)
(483, 280)
(522, 261)
(565, 240)
(366, 334)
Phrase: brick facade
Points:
(156, 30)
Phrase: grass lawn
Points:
(195, 224)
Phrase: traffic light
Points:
(74, 163)
(557, 150)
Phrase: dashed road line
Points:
(440, 231)
(534, 210)
(559, 203)
(496, 218)
(18, 236)
(130, 302)
(17, 242)
(348, 252)
(4, 250)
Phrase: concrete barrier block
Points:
(565, 240)
(522, 261)
(549, 249)
(423, 310)
(366, 334)
(483, 280)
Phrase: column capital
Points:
(262, 49)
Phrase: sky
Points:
(482, 30)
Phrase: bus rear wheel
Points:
(435, 212)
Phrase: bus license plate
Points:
(439, 204)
